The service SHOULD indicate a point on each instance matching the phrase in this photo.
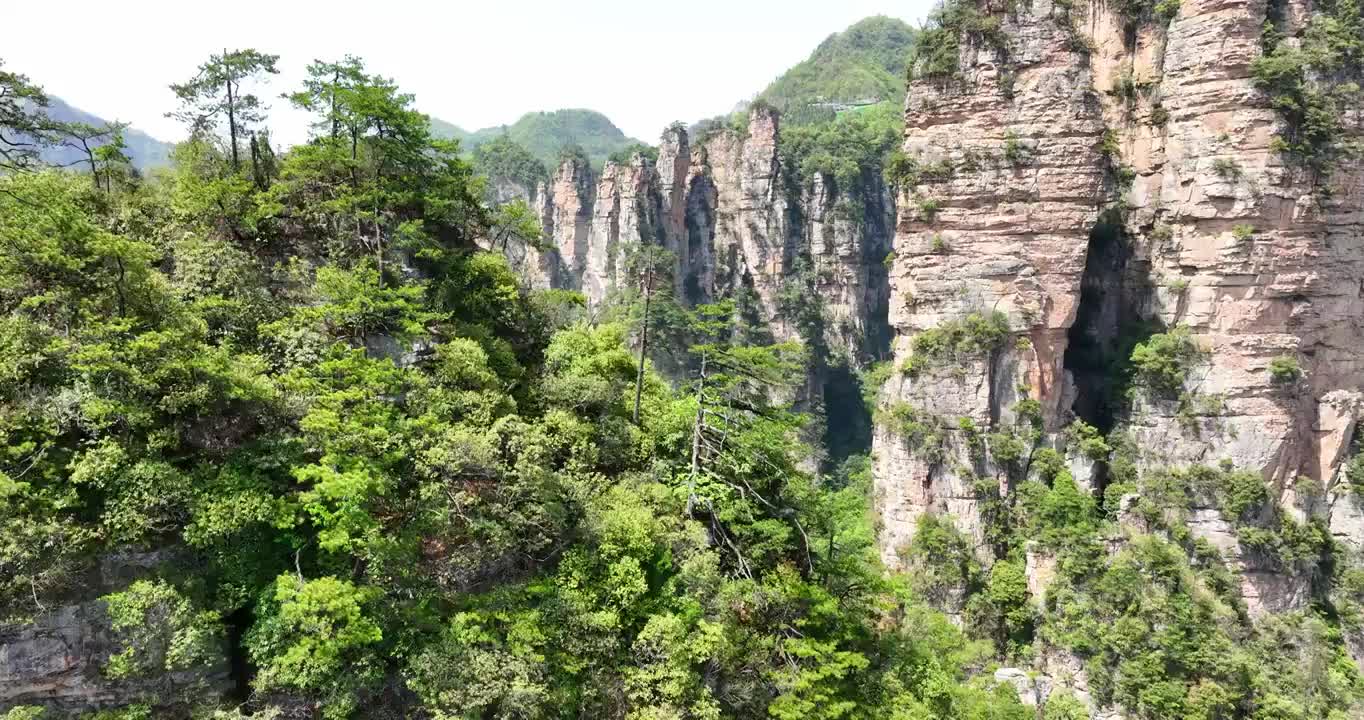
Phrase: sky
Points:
(643, 63)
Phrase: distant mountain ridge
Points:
(545, 134)
(864, 64)
(145, 151)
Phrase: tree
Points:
(373, 168)
(216, 93)
(103, 148)
(327, 91)
(24, 126)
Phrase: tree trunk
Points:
(336, 121)
(255, 163)
(643, 341)
(696, 437)
(231, 115)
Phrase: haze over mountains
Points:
(864, 62)
(144, 150)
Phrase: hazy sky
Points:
(476, 64)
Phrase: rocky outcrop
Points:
(57, 661)
(1093, 176)
(1004, 230)
(737, 223)
(849, 244)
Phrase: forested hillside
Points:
(1033, 390)
(866, 63)
(547, 134)
(281, 441)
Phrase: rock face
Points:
(1078, 211)
(57, 660)
(1096, 179)
(738, 224)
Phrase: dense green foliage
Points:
(545, 134)
(864, 62)
(391, 482)
(503, 159)
(936, 52)
(849, 150)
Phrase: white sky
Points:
(643, 63)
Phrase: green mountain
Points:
(449, 131)
(545, 134)
(144, 150)
(865, 62)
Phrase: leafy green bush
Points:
(1227, 169)
(160, 631)
(1284, 370)
(928, 208)
(1110, 146)
(1162, 362)
(942, 560)
(935, 53)
(1088, 440)
(1015, 152)
(1311, 83)
(317, 635)
(919, 429)
(974, 335)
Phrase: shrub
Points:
(1014, 149)
(942, 560)
(1354, 469)
(1124, 86)
(901, 170)
(1227, 169)
(1162, 362)
(936, 52)
(928, 209)
(1284, 370)
(1125, 176)
(976, 334)
(921, 430)
(1109, 146)
(1243, 232)
(1088, 440)
(1312, 83)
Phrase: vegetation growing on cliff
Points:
(504, 159)
(850, 150)
(1313, 82)
(389, 481)
(936, 53)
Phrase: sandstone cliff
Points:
(737, 222)
(1083, 182)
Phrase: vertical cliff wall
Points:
(1083, 184)
(738, 223)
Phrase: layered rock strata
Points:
(1105, 174)
(736, 223)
